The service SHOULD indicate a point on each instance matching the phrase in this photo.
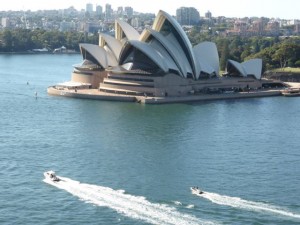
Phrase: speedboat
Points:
(196, 191)
(291, 92)
(51, 175)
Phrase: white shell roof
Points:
(129, 31)
(158, 24)
(111, 59)
(239, 67)
(97, 52)
(168, 50)
(174, 51)
(253, 67)
(148, 50)
(167, 58)
(207, 56)
(250, 67)
(114, 44)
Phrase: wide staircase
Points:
(128, 84)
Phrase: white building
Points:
(158, 62)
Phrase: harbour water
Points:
(127, 163)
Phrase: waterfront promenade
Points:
(99, 95)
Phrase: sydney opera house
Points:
(158, 63)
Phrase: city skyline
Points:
(287, 9)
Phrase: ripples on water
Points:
(243, 148)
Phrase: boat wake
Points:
(247, 205)
(136, 207)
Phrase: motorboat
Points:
(51, 176)
(196, 191)
(291, 92)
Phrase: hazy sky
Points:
(285, 9)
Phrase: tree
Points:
(7, 38)
(246, 52)
(223, 53)
(297, 63)
(285, 53)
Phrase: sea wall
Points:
(209, 97)
(99, 95)
(284, 76)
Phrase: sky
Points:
(284, 9)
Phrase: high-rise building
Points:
(99, 10)
(187, 16)
(89, 7)
(208, 15)
(5, 22)
(120, 11)
(129, 11)
(108, 12)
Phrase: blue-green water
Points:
(135, 163)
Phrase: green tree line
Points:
(22, 40)
(276, 52)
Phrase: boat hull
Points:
(292, 92)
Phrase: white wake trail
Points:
(247, 205)
(135, 207)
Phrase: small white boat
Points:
(196, 191)
(51, 176)
(291, 92)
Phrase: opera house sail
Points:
(159, 62)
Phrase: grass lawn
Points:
(288, 70)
